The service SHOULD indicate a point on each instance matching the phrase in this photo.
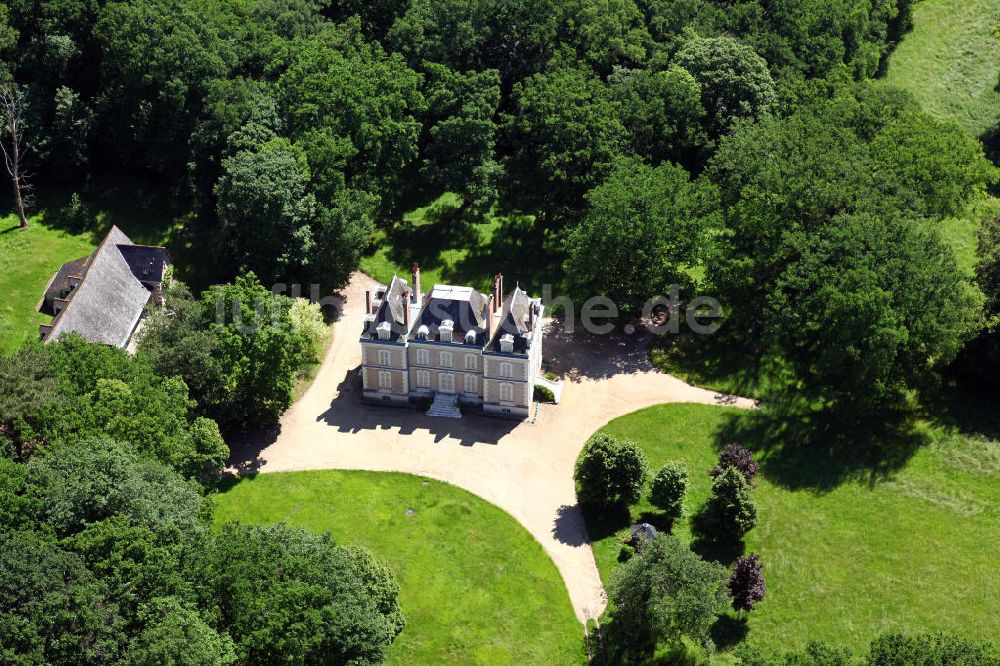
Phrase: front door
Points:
(446, 382)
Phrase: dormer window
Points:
(507, 344)
(470, 338)
(446, 329)
(383, 330)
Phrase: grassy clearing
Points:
(950, 61)
(475, 587)
(908, 552)
(962, 232)
(28, 259)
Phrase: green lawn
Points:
(951, 60)
(475, 586)
(915, 551)
(28, 259)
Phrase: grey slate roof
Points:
(59, 285)
(105, 307)
(513, 321)
(464, 306)
(397, 297)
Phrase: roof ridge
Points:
(57, 320)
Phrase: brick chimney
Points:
(368, 301)
(416, 283)
(497, 291)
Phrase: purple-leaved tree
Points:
(734, 455)
(746, 584)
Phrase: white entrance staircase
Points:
(445, 405)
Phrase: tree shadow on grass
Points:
(148, 212)
(517, 249)
(602, 523)
(422, 237)
(729, 631)
(819, 451)
(710, 361)
(710, 543)
(971, 411)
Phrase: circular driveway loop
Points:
(525, 469)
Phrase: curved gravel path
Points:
(524, 468)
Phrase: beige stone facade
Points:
(484, 350)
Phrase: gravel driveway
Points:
(525, 469)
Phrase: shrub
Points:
(929, 650)
(543, 394)
(734, 455)
(731, 511)
(668, 488)
(610, 471)
(307, 320)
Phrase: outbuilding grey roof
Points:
(59, 285)
(109, 300)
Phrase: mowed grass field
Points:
(913, 552)
(951, 60)
(475, 586)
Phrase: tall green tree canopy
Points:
(735, 82)
(644, 230)
(566, 133)
(664, 594)
(352, 107)
(828, 259)
(260, 350)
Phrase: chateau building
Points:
(454, 345)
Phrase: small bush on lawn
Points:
(731, 511)
(668, 488)
(610, 472)
(734, 455)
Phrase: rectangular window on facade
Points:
(506, 392)
(506, 370)
(470, 361)
(423, 357)
(445, 359)
(446, 382)
(383, 357)
(384, 379)
(470, 384)
(423, 379)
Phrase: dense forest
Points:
(736, 148)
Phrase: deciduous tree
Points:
(13, 143)
(666, 593)
(610, 472)
(734, 455)
(668, 488)
(644, 230)
(746, 584)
